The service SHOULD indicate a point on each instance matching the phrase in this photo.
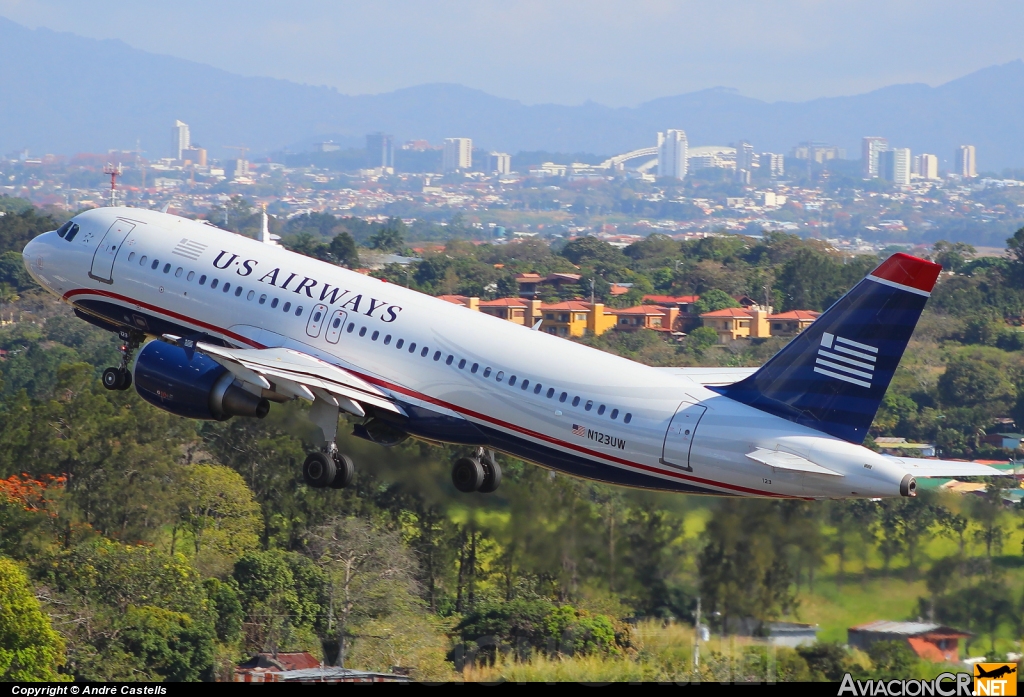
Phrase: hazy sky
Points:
(616, 52)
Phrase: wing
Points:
(293, 374)
(921, 467)
(712, 376)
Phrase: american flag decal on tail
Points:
(580, 431)
(846, 360)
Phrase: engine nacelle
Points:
(199, 388)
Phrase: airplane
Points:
(216, 325)
(1005, 669)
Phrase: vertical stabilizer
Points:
(833, 375)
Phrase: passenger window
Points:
(399, 343)
(500, 376)
(191, 275)
(273, 303)
(178, 271)
(336, 323)
(250, 295)
(225, 288)
(512, 381)
(412, 347)
(287, 306)
(615, 414)
(142, 261)
(526, 384)
(351, 326)
(551, 392)
(131, 256)
(213, 283)
(474, 368)
(437, 355)
(627, 418)
(387, 339)
(298, 311)
(600, 410)
(589, 405)
(562, 397)
(362, 331)
(487, 372)
(373, 337)
(450, 359)
(238, 291)
(424, 352)
(575, 401)
(316, 316)
(462, 364)
(167, 268)
(263, 299)
(154, 265)
(537, 389)
(202, 279)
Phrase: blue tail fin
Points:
(832, 376)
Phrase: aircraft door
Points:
(335, 325)
(107, 249)
(679, 437)
(316, 320)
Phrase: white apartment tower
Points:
(458, 154)
(871, 147)
(180, 139)
(499, 163)
(672, 152)
(894, 166)
(928, 167)
(965, 162)
(773, 163)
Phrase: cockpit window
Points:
(72, 231)
(63, 229)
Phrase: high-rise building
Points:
(672, 153)
(966, 166)
(894, 166)
(458, 154)
(744, 155)
(380, 148)
(772, 163)
(871, 147)
(928, 166)
(499, 163)
(196, 155)
(818, 152)
(180, 139)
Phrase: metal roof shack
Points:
(333, 674)
(932, 642)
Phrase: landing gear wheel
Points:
(345, 470)
(319, 470)
(492, 476)
(467, 474)
(126, 380)
(112, 379)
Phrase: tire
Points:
(345, 471)
(112, 378)
(126, 380)
(318, 470)
(467, 474)
(492, 476)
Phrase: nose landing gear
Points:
(120, 378)
(481, 473)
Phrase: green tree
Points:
(343, 250)
(953, 256)
(391, 237)
(714, 299)
(29, 647)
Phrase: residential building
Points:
(871, 148)
(380, 149)
(237, 169)
(773, 163)
(932, 642)
(672, 154)
(744, 161)
(530, 284)
(499, 163)
(818, 152)
(327, 146)
(965, 164)
(653, 317)
(457, 155)
(687, 317)
(1010, 441)
(894, 166)
(737, 323)
(575, 318)
(791, 323)
(180, 139)
(928, 166)
(194, 155)
(518, 310)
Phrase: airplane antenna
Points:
(114, 171)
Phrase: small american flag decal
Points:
(580, 431)
(190, 249)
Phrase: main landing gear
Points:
(327, 467)
(120, 378)
(479, 473)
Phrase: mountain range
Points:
(62, 93)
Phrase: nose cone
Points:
(32, 256)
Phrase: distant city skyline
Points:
(802, 50)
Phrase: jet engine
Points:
(199, 388)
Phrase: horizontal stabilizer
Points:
(711, 376)
(921, 467)
(777, 459)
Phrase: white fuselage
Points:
(102, 272)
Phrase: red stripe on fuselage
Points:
(433, 400)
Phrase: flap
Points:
(777, 459)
